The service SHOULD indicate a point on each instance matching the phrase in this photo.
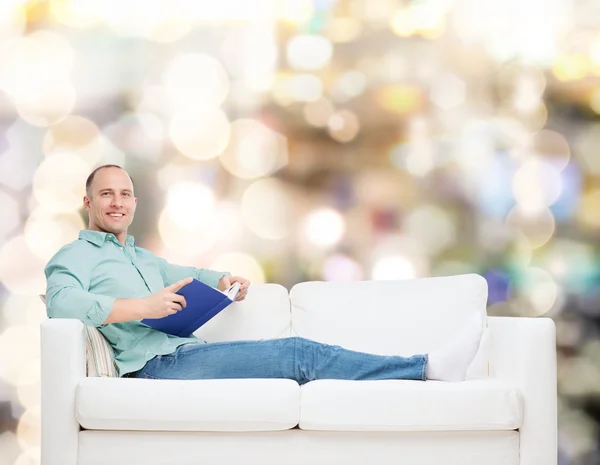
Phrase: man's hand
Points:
(165, 302)
(227, 281)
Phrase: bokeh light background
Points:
(293, 140)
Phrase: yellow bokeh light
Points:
(59, 183)
(13, 20)
(587, 213)
(254, 150)
(324, 227)
(76, 135)
(297, 88)
(343, 30)
(538, 290)
(194, 79)
(201, 133)
(21, 271)
(595, 101)
(46, 232)
(538, 227)
(76, 13)
(267, 209)
(295, 11)
(571, 67)
(47, 104)
(240, 264)
(401, 99)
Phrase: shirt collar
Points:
(99, 238)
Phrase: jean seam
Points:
(424, 369)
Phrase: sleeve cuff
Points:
(101, 308)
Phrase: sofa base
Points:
(298, 447)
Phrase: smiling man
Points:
(105, 280)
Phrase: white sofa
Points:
(505, 413)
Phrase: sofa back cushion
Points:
(264, 314)
(388, 317)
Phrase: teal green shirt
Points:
(85, 278)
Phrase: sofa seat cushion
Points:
(476, 405)
(198, 405)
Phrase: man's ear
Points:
(86, 202)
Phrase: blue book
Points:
(203, 303)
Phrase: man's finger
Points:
(177, 299)
(179, 284)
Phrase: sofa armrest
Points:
(63, 367)
(523, 351)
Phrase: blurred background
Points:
(294, 140)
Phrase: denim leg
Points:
(294, 358)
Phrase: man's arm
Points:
(172, 273)
(67, 295)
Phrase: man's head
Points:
(109, 200)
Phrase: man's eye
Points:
(126, 194)
(104, 193)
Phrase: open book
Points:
(203, 303)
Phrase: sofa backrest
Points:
(387, 317)
(264, 314)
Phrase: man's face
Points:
(110, 202)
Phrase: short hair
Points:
(90, 179)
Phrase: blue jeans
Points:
(294, 358)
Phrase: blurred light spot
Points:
(254, 150)
(76, 135)
(529, 90)
(10, 216)
(23, 309)
(498, 285)
(13, 20)
(340, 267)
(48, 105)
(432, 226)
(46, 232)
(538, 227)
(394, 267)
(26, 338)
(571, 67)
(571, 263)
(201, 133)
(595, 101)
(587, 213)
(171, 174)
(240, 264)
(295, 11)
(318, 113)
(536, 185)
(419, 18)
(267, 209)
(29, 430)
(350, 84)
(75, 13)
(552, 147)
(401, 99)
(20, 270)
(383, 188)
(343, 30)
(419, 154)
(194, 79)
(343, 126)
(309, 52)
(538, 289)
(28, 458)
(324, 227)
(9, 445)
(140, 135)
(297, 87)
(29, 383)
(190, 205)
(520, 252)
(448, 91)
(59, 183)
(190, 241)
(586, 147)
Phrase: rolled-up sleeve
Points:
(173, 273)
(67, 284)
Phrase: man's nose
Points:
(116, 201)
